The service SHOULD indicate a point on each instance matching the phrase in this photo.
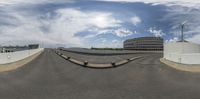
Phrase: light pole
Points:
(182, 27)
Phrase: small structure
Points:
(182, 51)
(6, 49)
(33, 46)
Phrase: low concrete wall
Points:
(11, 57)
(182, 52)
(182, 67)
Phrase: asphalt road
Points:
(51, 77)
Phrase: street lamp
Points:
(182, 27)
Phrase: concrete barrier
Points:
(182, 52)
(97, 66)
(6, 58)
(182, 67)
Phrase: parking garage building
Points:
(144, 43)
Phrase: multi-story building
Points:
(5, 49)
(144, 43)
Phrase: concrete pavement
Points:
(51, 77)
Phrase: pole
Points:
(182, 27)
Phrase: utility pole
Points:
(182, 27)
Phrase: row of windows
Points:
(145, 40)
(143, 44)
(143, 47)
(153, 49)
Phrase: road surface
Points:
(51, 77)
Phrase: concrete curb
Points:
(98, 66)
(182, 67)
(18, 64)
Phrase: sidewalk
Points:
(182, 67)
(18, 64)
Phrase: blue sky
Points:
(95, 23)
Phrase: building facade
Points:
(144, 43)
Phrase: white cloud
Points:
(97, 31)
(104, 20)
(175, 39)
(194, 39)
(155, 32)
(122, 32)
(61, 29)
(135, 20)
(104, 43)
(179, 11)
(185, 3)
(179, 14)
(21, 2)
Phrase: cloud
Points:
(177, 12)
(172, 40)
(104, 43)
(104, 20)
(185, 3)
(156, 33)
(194, 39)
(135, 20)
(59, 28)
(25, 2)
(122, 32)
(178, 15)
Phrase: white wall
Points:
(182, 52)
(16, 56)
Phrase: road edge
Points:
(181, 67)
(18, 64)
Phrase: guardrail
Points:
(11, 57)
(93, 65)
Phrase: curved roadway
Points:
(51, 77)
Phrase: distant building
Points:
(6, 49)
(144, 43)
(33, 46)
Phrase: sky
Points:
(96, 23)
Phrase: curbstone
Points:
(181, 67)
(113, 64)
(68, 57)
(85, 63)
(98, 66)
